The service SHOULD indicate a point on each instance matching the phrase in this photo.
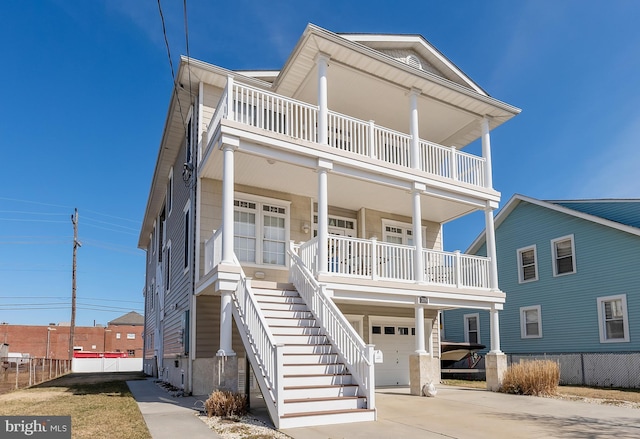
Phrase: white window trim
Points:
(573, 255)
(169, 202)
(260, 200)
(601, 319)
(185, 211)
(466, 327)
(409, 226)
(519, 252)
(523, 321)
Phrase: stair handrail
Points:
(266, 355)
(356, 355)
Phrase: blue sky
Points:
(87, 85)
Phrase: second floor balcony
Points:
(300, 121)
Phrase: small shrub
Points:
(226, 404)
(538, 377)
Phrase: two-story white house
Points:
(295, 220)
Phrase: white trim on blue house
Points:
(524, 333)
(521, 266)
(466, 319)
(556, 259)
(602, 322)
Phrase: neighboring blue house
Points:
(571, 272)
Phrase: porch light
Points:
(306, 228)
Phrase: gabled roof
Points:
(131, 319)
(620, 214)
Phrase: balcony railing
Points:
(299, 120)
(371, 259)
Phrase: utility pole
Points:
(76, 244)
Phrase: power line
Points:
(109, 223)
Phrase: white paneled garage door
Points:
(396, 339)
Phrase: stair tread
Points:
(328, 412)
(322, 398)
(289, 375)
(319, 386)
(313, 364)
(308, 353)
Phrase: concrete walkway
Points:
(455, 412)
(168, 417)
(472, 413)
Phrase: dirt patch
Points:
(73, 379)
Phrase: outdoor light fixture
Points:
(305, 228)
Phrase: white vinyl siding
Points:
(530, 322)
(261, 231)
(563, 255)
(472, 328)
(613, 319)
(527, 264)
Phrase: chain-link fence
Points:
(20, 372)
(592, 369)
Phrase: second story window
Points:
(564, 261)
(527, 264)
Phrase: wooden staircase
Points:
(318, 388)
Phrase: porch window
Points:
(527, 264)
(260, 233)
(471, 328)
(612, 318)
(563, 255)
(530, 322)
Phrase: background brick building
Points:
(123, 334)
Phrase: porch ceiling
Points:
(344, 192)
(360, 79)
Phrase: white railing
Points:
(370, 259)
(213, 251)
(392, 147)
(357, 356)
(265, 355)
(348, 134)
(278, 114)
(274, 113)
(456, 269)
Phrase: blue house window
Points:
(527, 264)
(472, 328)
(612, 319)
(563, 253)
(530, 322)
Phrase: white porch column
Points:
(418, 263)
(228, 149)
(226, 327)
(490, 236)
(495, 331)
(323, 215)
(420, 346)
(486, 152)
(413, 126)
(322, 61)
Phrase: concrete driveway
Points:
(472, 413)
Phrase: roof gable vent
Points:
(414, 61)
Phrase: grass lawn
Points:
(100, 405)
